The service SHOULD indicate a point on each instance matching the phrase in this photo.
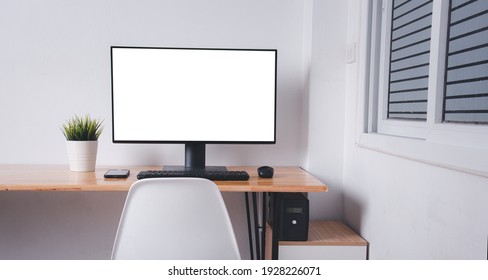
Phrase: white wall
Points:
(54, 62)
(406, 209)
(55, 58)
(327, 86)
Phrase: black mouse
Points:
(265, 172)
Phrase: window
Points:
(432, 67)
(427, 96)
(466, 84)
(411, 25)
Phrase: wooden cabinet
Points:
(327, 240)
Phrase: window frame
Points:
(406, 128)
(457, 146)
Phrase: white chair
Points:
(176, 219)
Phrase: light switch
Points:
(351, 53)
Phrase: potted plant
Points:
(82, 142)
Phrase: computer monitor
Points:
(193, 96)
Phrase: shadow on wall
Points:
(59, 225)
(353, 213)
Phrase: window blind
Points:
(466, 77)
(411, 24)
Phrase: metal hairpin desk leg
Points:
(249, 231)
(256, 225)
(275, 230)
(263, 227)
(260, 240)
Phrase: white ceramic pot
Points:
(82, 155)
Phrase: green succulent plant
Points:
(82, 129)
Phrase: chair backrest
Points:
(175, 218)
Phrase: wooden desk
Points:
(59, 178)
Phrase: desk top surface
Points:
(59, 178)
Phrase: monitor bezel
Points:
(192, 141)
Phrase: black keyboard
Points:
(226, 175)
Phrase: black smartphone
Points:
(117, 173)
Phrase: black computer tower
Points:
(289, 216)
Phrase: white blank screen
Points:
(180, 95)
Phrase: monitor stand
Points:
(194, 159)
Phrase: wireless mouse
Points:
(265, 172)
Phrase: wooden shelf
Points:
(329, 233)
(327, 240)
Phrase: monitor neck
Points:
(195, 159)
(195, 156)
